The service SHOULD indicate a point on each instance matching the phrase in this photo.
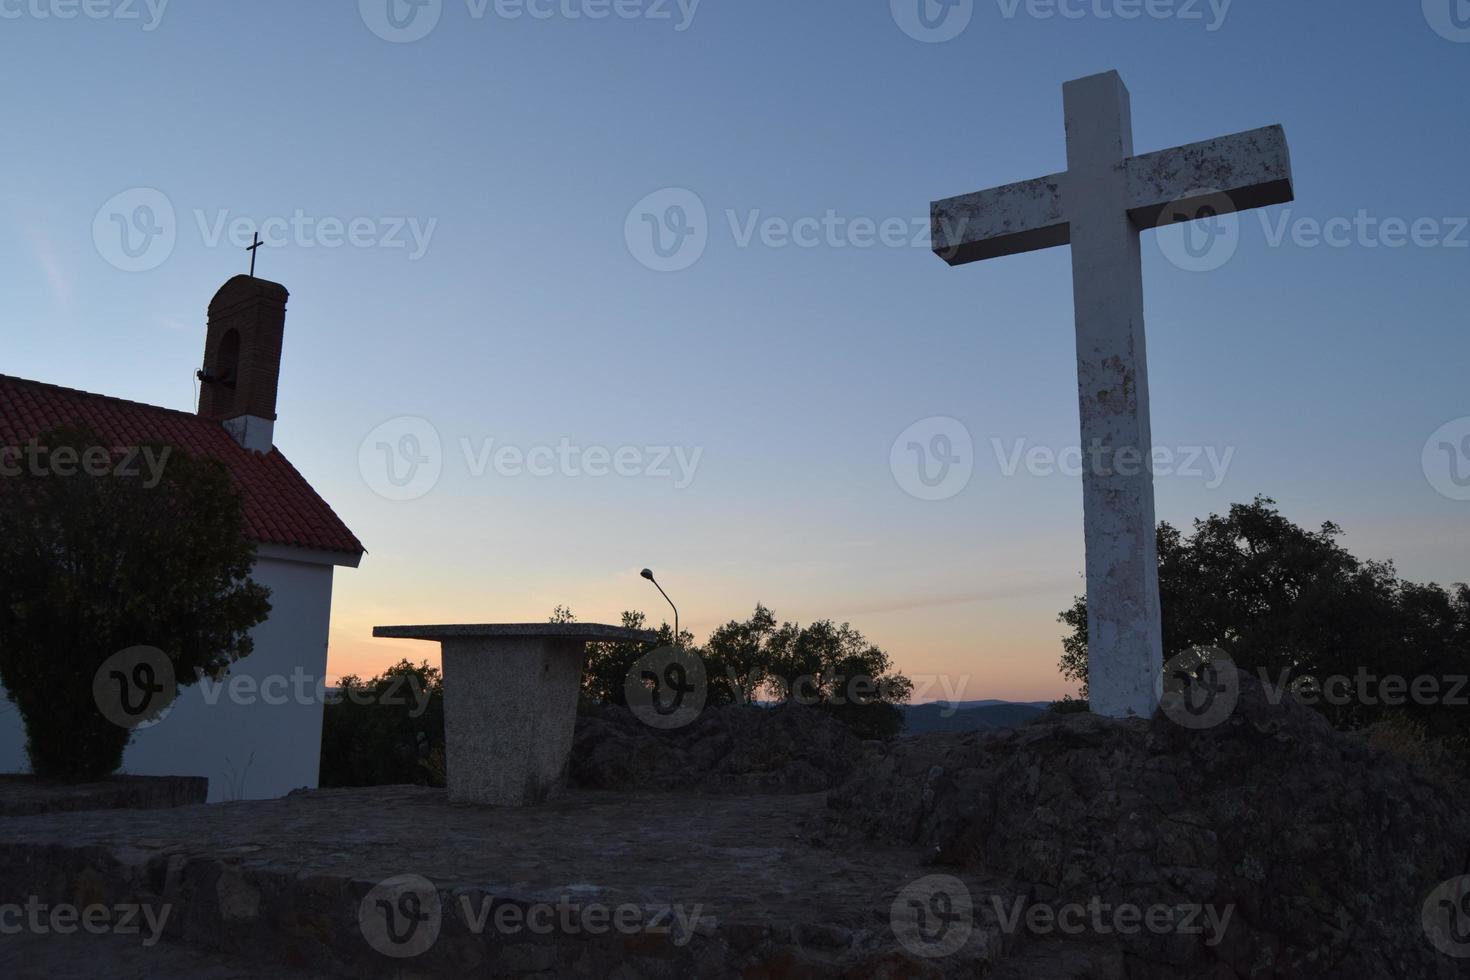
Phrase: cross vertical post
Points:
(1124, 629)
(252, 249)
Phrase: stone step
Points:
(395, 882)
(80, 956)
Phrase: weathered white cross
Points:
(1099, 206)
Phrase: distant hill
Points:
(968, 716)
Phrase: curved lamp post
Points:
(648, 574)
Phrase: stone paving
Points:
(24, 795)
(712, 887)
(27, 956)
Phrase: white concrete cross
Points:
(1099, 206)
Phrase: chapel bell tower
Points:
(242, 359)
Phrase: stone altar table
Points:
(510, 703)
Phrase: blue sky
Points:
(519, 148)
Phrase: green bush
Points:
(95, 560)
(1292, 603)
(829, 667)
(386, 730)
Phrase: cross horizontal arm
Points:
(1001, 221)
(1217, 176)
(1230, 173)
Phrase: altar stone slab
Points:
(510, 703)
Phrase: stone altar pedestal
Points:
(510, 703)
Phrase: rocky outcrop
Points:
(1320, 847)
(732, 749)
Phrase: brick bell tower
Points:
(242, 359)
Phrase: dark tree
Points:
(825, 666)
(834, 668)
(95, 559)
(608, 663)
(1293, 603)
(386, 730)
(738, 658)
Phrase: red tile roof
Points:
(280, 506)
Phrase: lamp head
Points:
(647, 573)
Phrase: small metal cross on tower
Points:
(252, 250)
(1098, 206)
